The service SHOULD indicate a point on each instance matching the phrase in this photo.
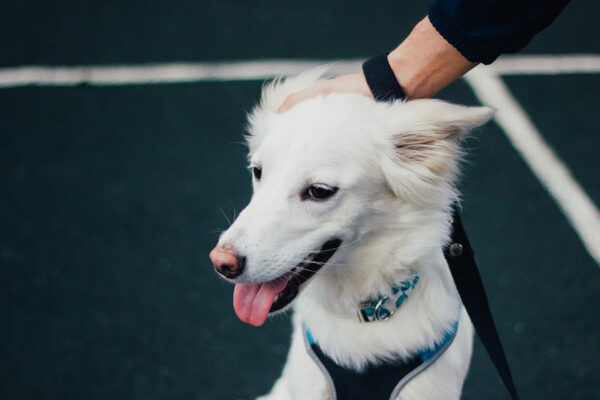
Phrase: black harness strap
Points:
(376, 382)
(458, 254)
(380, 381)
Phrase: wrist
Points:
(425, 62)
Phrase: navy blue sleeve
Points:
(483, 29)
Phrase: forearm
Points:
(424, 63)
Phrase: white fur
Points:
(395, 166)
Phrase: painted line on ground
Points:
(163, 73)
(554, 175)
(547, 64)
(145, 74)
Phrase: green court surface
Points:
(111, 199)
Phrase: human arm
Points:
(454, 37)
(423, 63)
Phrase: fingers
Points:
(293, 99)
(352, 83)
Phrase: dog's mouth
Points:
(253, 302)
(303, 272)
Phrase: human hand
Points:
(351, 83)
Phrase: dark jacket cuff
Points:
(472, 50)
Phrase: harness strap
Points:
(459, 254)
(376, 382)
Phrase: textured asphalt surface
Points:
(110, 198)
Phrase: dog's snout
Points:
(227, 263)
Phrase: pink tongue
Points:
(253, 302)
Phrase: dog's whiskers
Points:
(234, 211)
(225, 215)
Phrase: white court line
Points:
(579, 209)
(546, 64)
(163, 73)
(253, 70)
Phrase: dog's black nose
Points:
(226, 263)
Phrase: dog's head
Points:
(331, 174)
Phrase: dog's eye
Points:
(319, 192)
(257, 172)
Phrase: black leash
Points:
(461, 260)
(458, 254)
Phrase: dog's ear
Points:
(425, 143)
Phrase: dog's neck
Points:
(329, 304)
(379, 260)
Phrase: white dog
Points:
(350, 212)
